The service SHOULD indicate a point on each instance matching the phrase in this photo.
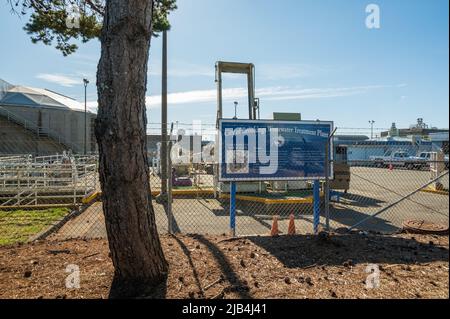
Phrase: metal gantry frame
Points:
(237, 68)
(253, 109)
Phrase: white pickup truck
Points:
(423, 160)
(396, 159)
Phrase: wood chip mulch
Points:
(303, 266)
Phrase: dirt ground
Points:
(303, 266)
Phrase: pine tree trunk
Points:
(121, 135)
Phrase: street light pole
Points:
(85, 82)
(371, 128)
(164, 141)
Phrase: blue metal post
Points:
(233, 209)
(316, 205)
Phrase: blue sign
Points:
(262, 150)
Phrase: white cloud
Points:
(60, 79)
(268, 93)
(199, 96)
(277, 93)
(317, 93)
(264, 71)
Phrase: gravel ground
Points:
(303, 266)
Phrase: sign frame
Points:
(270, 177)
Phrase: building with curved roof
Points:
(41, 117)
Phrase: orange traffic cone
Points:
(291, 227)
(274, 231)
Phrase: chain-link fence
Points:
(382, 198)
(39, 192)
(59, 197)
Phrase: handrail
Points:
(37, 129)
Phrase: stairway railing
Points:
(12, 117)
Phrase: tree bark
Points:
(121, 135)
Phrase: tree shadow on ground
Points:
(230, 275)
(348, 217)
(340, 214)
(240, 212)
(300, 251)
(175, 226)
(137, 289)
(357, 200)
(187, 253)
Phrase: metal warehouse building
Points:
(41, 122)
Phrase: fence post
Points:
(316, 205)
(233, 209)
(74, 171)
(169, 190)
(328, 163)
(326, 190)
(165, 166)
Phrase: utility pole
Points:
(371, 122)
(164, 141)
(85, 82)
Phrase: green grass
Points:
(19, 225)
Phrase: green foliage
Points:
(48, 20)
(161, 15)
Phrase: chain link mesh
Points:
(59, 197)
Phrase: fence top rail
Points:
(373, 161)
(14, 158)
(45, 165)
(35, 172)
(60, 157)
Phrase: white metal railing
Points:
(30, 183)
(57, 158)
(16, 158)
(73, 158)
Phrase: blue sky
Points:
(313, 57)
